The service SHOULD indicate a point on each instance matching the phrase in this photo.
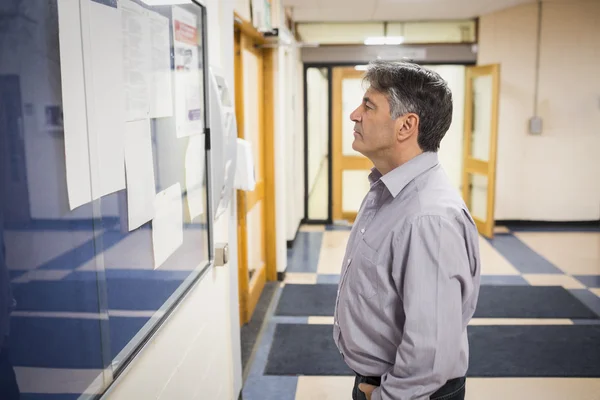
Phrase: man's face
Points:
(373, 125)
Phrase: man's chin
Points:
(357, 146)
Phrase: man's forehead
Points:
(373, 95)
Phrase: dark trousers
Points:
(9, 389)
(454, 389)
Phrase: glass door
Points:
(350, 168)
(480, 139)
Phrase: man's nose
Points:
(355, 115)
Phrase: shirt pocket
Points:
(363, 271)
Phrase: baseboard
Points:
(290, 243)
(316, 221)
(550, 225)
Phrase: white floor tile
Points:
(300, 278)
(532, 389)
(492, 262)
(332, 252)
(324, 387)
(320, 320)
(520, 321)
(576, 253)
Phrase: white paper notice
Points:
(161, 94)
(167, 226)
(194, 175)
(188, 77)
(103, 56)
(139, 166)
(136, 59)
(77, 157)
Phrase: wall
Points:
(290, 127)
(451, 148)
(553, 176)
(196, 354)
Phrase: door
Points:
(256, 210)
(480, 139)
(350, 169)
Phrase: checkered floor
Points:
(566, 257)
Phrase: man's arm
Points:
(429, 258)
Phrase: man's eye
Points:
(368, 107)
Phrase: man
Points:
(410, 279)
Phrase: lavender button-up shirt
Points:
(409, 283)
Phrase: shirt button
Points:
(349, 260)
(362, 230)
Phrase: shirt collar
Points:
(399, 177)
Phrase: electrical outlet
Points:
(535, 125)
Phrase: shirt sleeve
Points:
(427, 262)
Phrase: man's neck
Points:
(392, 161)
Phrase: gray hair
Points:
(411, 88)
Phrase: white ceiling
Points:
(393, 10)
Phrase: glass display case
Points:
(104, 212)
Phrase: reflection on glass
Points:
(79, 286)
(355, 186)
(252, 91)
(482, 117)
(318, 143)
(255, 238)
(352, 94)
(478, 196)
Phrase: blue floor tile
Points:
(522, 257)
(503, 280)
(338, 228)
(592, 281)
(333, 279)
(586, 321)
(304, 256)
(588, 298)
(270, 388)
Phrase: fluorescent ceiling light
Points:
(360, 67)
(383, 40)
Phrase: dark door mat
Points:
(530, 302)
(494, 302)
(301, 349)
(307, 300)
(495, 351)
(571, 351)
(250, 331)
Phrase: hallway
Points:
(534, 335)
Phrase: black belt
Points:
(451, 386)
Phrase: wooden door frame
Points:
(340, 162)
(247, 37)
(473, 166)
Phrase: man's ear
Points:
(407, 126)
